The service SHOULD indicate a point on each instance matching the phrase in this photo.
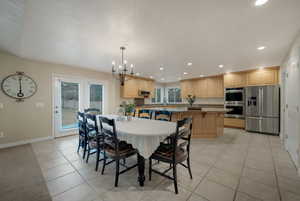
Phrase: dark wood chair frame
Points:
(165, 113)
(183, 133)
(92, 110)
(92, 135)
(83, 139)
(145, 111)
(108, 130)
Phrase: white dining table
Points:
(145, 135)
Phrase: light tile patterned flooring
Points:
(238, 166)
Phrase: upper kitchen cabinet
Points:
(134, 84)
(210, 87)
(266, 76)
(186, 88)
(235, 80)
(215, 88)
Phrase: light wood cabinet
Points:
(134, 84)
(215, 88)
(266, 76)
(210, 87)
(234, 123)
(200, 87)
(262, 77)
(186, 88)
(235, 80)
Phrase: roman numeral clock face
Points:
(19, 86)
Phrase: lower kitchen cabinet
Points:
(234, 123)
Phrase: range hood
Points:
(143, 93)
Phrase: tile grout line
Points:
(275, 170)
(201, 180)
(244, 164)
(84, 180)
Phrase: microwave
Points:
(234, 95)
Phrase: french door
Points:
(70, 96)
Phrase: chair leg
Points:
(79, 144)
(88, 154)
(84, 149)
(104, 163)
(98, 157)
(150, 168)
(117, 172)
(175, 178)
(189, 167)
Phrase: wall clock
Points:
(19, 86)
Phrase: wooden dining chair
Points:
(163, 115)
(114, 149)
(176, 152)
(92, 111)
(145, 114)
(83, 139)
(92, 134)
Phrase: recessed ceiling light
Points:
(261, 48)
(161, 68)
(190, 63)
(260, 2)
(201, 75)
(185, 73)
(221, 66)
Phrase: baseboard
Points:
(13, 144)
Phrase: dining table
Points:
(144, 135)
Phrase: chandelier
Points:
(122, 71)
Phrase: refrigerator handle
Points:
(259, 101)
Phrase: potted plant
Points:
(128, 108)
(191, 99)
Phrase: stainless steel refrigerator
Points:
(263, 109)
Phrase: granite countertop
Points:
(184, 105)
(185, 109)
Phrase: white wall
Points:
(25, 121)
(290, 95)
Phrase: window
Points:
(96, 96)
(174, 95)
(158, 95)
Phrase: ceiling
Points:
(168, 33)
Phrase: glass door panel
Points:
(69, 105)
(96, 96)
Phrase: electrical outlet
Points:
(1, 134)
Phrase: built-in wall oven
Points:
(235, 103)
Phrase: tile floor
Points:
(238, 166)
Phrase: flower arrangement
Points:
(191, 99)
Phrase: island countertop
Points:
(208, 122)
(189, 109)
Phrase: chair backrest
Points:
(91, 124)
(92, 111)
(182, 137)
(81, 123)
(145, 114)
(163, 115)
(108, 130)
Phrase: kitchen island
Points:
(207, 122)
